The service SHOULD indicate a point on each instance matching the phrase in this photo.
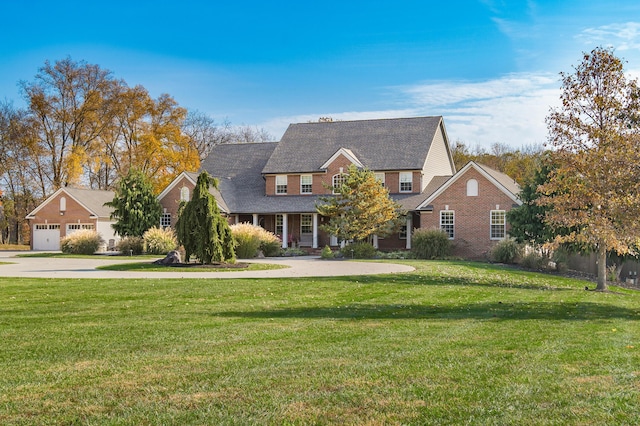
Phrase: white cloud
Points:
(623, 37)
(510, 110)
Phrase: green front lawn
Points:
(152, 267)
(452, 343)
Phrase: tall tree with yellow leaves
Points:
(360, 208)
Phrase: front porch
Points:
(302, 230)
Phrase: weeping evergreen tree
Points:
(135, 206)
(201, 229)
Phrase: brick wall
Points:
(171, 201)
(472, 214)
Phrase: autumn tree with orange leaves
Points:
(595, 190)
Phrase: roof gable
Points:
(191, 177)
(500, 180)
(348, 154)
(92, 200)
(387, 144)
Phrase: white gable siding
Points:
(438, 162)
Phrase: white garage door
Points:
(46, 236)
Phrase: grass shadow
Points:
(576, 311)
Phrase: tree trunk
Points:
(602, 268)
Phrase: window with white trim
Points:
(165, 220)
(406, 181)
(403, 231)
(472, 188)
(281, 184)
(498, 224)
(306, 224)
(337, 181)
(184, 194)
(279, 224)
(63, 204)
(447, 222)
(306, 184)
(380, 177)
(79, 226)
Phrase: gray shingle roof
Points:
(504, 179)
(306, 146)
(93, 200)
(238, 168)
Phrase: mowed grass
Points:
(452, 343)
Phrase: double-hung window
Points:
(380, 178)
(406, 181)
(498, 224)
(447, 222)
(306, 184)
(281, 184)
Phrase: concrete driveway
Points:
(304, 266)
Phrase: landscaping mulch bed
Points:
(216, 265)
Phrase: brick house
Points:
(277, 185)
(69, 210)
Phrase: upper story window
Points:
(337, 181)
(472, 188)
(306, 184)
(184, 194)
(63, 204)
(447, 222)
(380, 178)
(406, 181)
(281, 184)
(498, 224)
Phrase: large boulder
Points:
(172, 258)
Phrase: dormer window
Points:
(406, 181)
(281, 184)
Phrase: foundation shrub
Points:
(430, 244)
(85, 241)
(131, 245)
(506, 251)
(359, 250)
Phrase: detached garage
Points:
(69, 210)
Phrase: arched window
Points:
(184, 194)
(63, 204)
(337, 181)
(472, 188)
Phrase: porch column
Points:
(375, 241)
(255, 219)
(237, 218)
(314, 242)
(409, 230)
(285, 230)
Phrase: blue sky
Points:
(490, 67)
